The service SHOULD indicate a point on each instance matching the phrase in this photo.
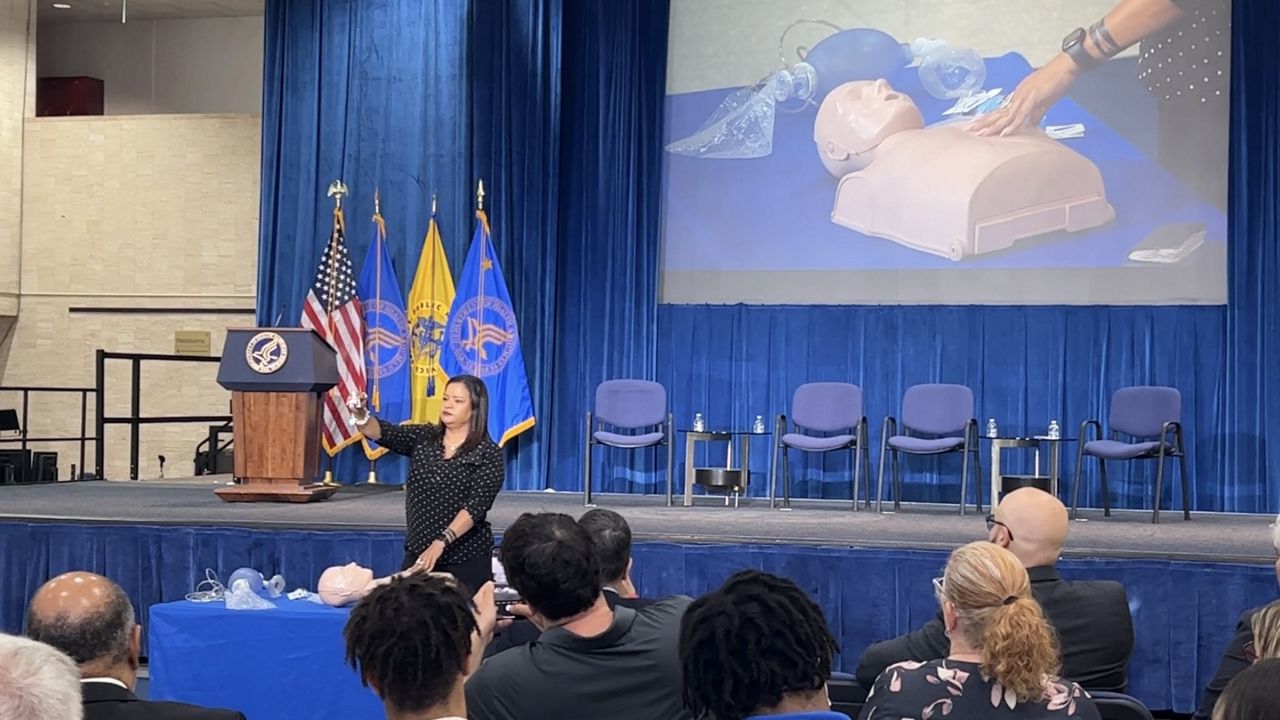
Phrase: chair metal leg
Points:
(671, 456)
(964, 478)
(897, 482)
(1186, 489)
(1155, 512)
(773, 472)
(586, 466)
(977, 472)
(880, 480)
(786, 477)
(857, 470)
(866, 476)
(1106, 492)
(1075, 482)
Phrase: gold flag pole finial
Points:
(433, 203)
(337, 189)
(480, 195)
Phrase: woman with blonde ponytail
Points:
(1004, 655)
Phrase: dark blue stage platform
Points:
(1187, 582)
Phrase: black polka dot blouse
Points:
(438, 488)
(1190, 62)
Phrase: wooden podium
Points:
(277, 378)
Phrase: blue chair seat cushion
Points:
(1117, 450)
(925, 446)
(639, 440)
(814, 443)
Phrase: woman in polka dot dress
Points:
(455, 472)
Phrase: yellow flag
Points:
(429, 301)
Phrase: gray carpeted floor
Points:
(1216, 537)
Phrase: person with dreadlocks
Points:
(758, 646)
(416, 640)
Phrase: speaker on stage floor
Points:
(1009, 483)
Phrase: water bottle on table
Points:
(992, 430)
(699, 424)
(757, 427)
(1055, 431)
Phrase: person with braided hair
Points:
(415, 641)
(1003, 661)
(758, 646)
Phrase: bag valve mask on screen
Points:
(742, 126)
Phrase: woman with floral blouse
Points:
(1004, 655)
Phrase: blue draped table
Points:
(1184, 612)
(286, 662)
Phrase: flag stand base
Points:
(328, 478)
(373, 477)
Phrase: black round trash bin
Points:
(1009, 483)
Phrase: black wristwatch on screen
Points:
(1073, 46)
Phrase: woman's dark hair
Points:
(750, 643)
(551, 561)
(479, 394)
(411, 639)
(1251, 695)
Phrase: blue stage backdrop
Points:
(558, 105)
(1181, 610)
(555, 104)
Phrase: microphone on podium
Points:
(279, 317)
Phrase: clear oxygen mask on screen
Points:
(948, 72)
(742, 125)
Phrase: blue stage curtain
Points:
(1182, 611)
(420, 98)
(1253, 311)
(514, 69)
(606, 310)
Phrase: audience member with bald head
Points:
(1091, 617)
(90, 618)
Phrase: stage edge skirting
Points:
(1184, 612)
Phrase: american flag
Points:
(344, 330)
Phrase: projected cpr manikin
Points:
(942, 189)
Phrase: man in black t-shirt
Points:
(591, 657)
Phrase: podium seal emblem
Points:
(266, 352)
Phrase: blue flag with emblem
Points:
(386, 341)
(481, 339)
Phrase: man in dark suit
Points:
(1237, 657)
(90, 618)
(611, 536)
(1095, 630)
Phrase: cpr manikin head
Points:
(855, 118)
(344, 584)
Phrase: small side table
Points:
(741, 438)
(1037, 442)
